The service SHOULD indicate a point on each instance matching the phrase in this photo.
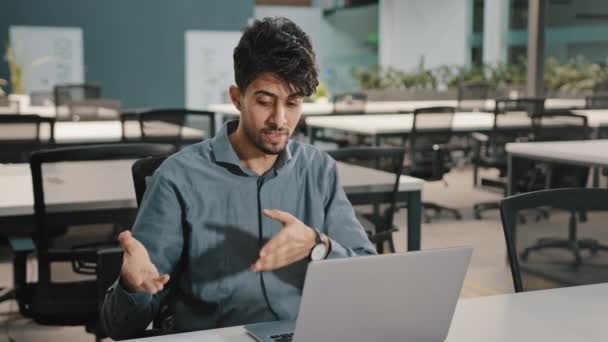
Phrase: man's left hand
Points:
(292, 244)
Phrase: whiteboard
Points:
(209, 68)
(48, 55)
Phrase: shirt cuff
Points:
(336, 250)
(124, 295)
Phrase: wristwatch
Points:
(319, 250)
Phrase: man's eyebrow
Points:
(267, 93)
(264, 92)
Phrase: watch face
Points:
(318, 252)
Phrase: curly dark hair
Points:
(276, 45)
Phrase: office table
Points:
(596, 118)
(388, 107)
(585, 153)
(381, 126)
(76, 132)
(75, 194)
(557, 315)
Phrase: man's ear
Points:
(235, 96)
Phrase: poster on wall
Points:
(47, 56)
(209, 68)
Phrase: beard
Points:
(267, 147)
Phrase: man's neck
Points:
(249, 155)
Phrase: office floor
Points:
(488, 273)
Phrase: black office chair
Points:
(601, 88)
(428, 157)
(512, 122)
(378, 222)
(168, 125)
(42, 98)
(596, 102)
(20, 135)
(538, 262)
(66, 93)
(472, 96)
(8, 105)
(74, 302)
(142, 170)
(92, 110)
(349, 103)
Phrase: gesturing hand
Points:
(138, 273)
(292, 244)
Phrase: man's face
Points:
(269, 112)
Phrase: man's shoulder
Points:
(310, 156)
(186, 160)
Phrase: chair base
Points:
(7, 294)
(438, 209)
(478, 208)
(574, 246)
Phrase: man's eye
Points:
(292, 104)
(265, 103)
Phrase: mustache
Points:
(275, 130)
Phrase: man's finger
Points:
(281, 216)
(127, 242)
(163, 279)
(149, 287)
(273, 244)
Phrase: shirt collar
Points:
(224, 152)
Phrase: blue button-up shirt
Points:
(201, 222)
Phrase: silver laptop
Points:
(393, 297)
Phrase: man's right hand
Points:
(138, 273)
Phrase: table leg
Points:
(414, 213)
(510, 175)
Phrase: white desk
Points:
(74, 132)
(380, 125)
(69, 190)
(587, 153)
(387, 107)
(560, 315)
(596, 118)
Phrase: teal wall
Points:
(133, 48)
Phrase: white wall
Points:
(435, 31)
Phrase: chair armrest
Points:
(109, 263)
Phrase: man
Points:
(227, 226)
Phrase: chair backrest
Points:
(601, 88)
(473, 95)
(385, 159)
(172, 126)
(560, 124)
(512, 119)
(431, 131)
(93, 110)
(64, 94)
(597, 101)
(142, 170)
(8, 106)
(71, 187)
(565, 245)
(20, 135)
(350, 103)
(42, 98)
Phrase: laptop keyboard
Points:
(282, 337)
